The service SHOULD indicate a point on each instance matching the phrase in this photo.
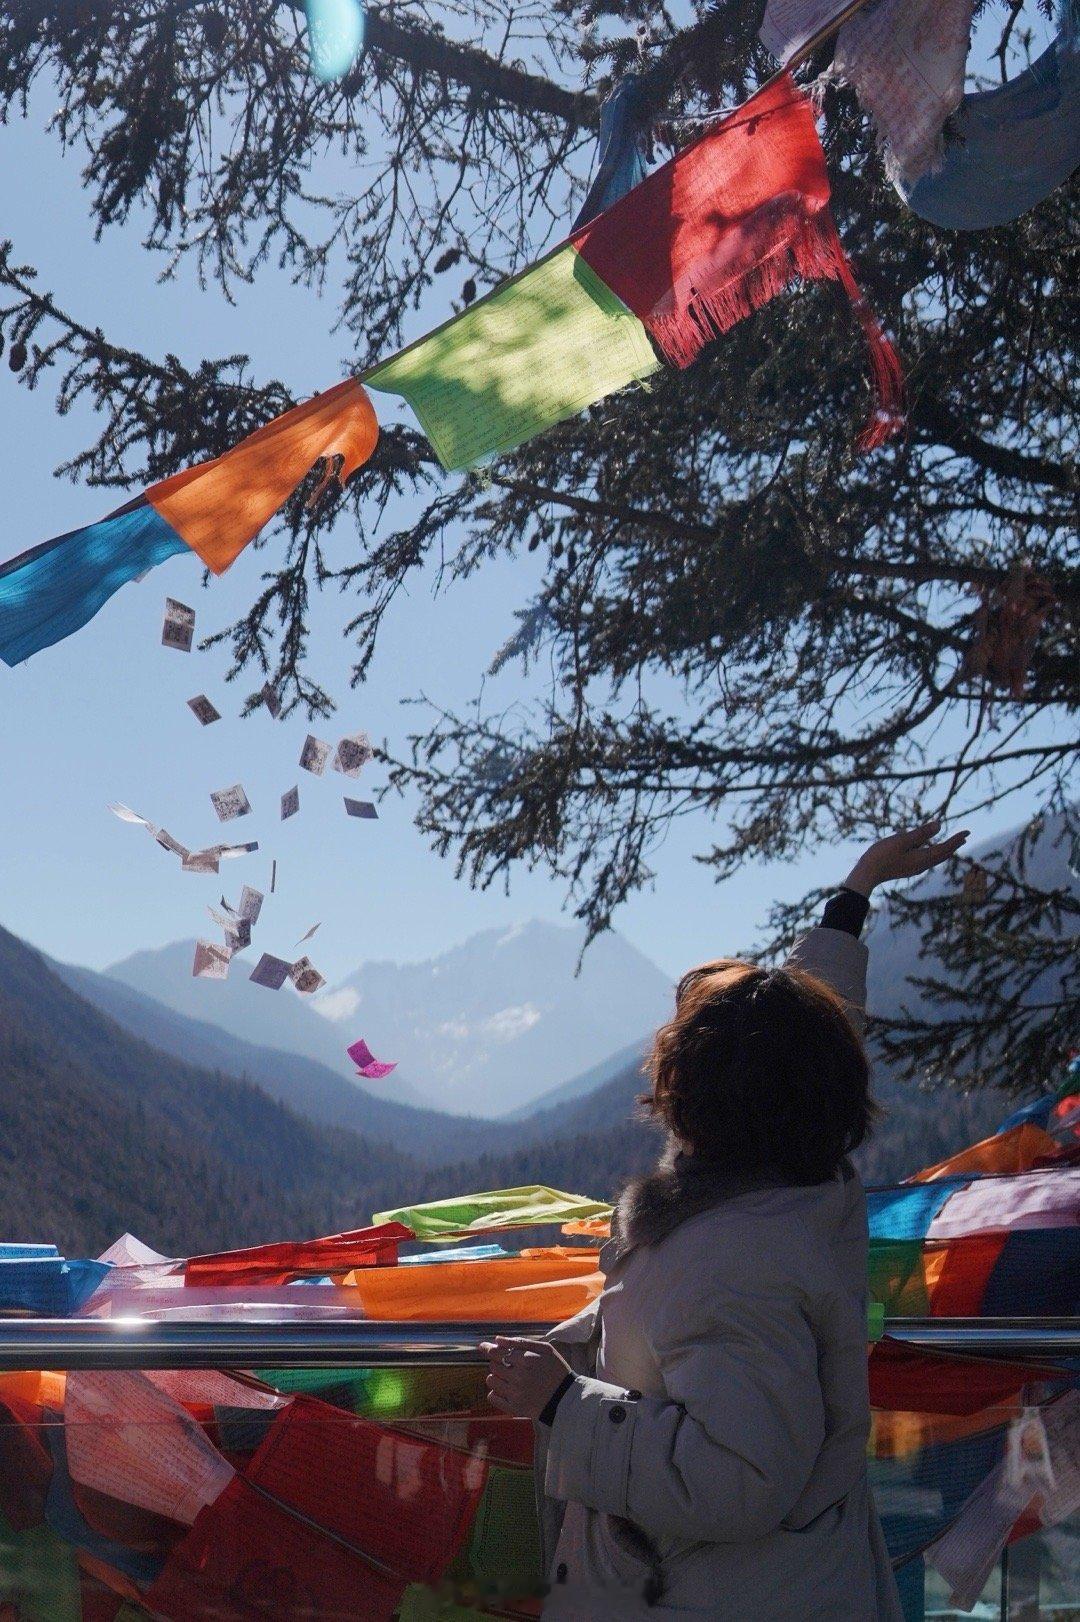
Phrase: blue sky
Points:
(103, 716)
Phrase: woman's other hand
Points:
(524, 1374)
(901, 856)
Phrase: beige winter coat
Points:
(712, 1463)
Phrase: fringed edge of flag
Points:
(812, 253)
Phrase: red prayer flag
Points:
(247, 1559)
(725, 226)
(903, 1378)
(275, 1264)
(406, 1503)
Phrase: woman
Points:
(702, 1426)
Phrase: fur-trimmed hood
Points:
(681, 1186)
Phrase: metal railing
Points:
(131, 1343)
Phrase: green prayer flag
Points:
(499, 1208)
(534, 352)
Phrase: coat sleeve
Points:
(840, 960)
(726, 1453)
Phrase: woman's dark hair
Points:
(761, 1070)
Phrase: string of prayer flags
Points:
(439, 1220)
(203, 711)
(690, 269)
(367, 1064)
(542, 1285)
(905, 61)
(214, 510)
(314, 755)
(361, 808)
(1008, 148)
(178, 630)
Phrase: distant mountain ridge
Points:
(486, 1028)
(493, 1024)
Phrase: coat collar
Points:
(680, 1186)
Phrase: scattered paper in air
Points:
(200, 861)
(237, 931)
(250, 904)
(305, 976)
(178, 631)
(290, 802)
(314, 755)
(126, 814)
(167, 842)
(203, 711)
(308, 934)
(230, 803)
(229, 851)
(271, 700)
(271, 972)
(361, 808)
(211, 961)
(273, 877)
(353, 754)
(367, 1064)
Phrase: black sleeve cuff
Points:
(846, 910)
(547, 1413)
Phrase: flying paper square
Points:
(230, 803)
(290, 802)
(353, 753)
(305, 976)
(361, 808)
(203, 711)
(271, 700)
(178, 630)
(367, 1064)
(314, 755)
(271, 972)
(211, 961)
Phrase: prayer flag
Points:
(499, 1208)
(1007, 148)
(540, 349)
(273, 1264)
(539, 1286)
(725, 226)
(213, 510)
(905, 61)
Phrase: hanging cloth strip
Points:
(724, 227)
(621, 148)
(1008, 149)
(905, 60)
(213, 510)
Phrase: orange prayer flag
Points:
(219, 506)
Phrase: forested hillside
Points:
(101, 1133)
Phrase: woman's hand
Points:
(524, 1375)
(901, 856)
